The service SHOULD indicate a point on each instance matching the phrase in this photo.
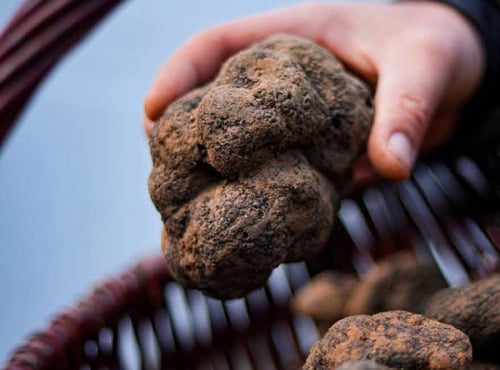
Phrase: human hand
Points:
(424, 59)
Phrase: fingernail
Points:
(400, 146)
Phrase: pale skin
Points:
(424, 60)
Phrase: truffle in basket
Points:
(396, 339)
(248, 170)
(396, 282)
(475, 309)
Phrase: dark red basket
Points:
(142, 318)
(449, 211)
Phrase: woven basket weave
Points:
(448, 211)
(143, 319)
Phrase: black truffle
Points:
(247, 171)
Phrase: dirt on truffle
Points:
(248, 170)
(396, 339)
(475, 309)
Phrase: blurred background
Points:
(74, 207)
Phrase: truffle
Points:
(475, 309)
(324, 297)
(248, 170)
(397, 282)
(396, 339)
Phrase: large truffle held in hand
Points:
(248, 170)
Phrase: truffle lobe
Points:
(396, 339)
(237, 232)
(475, 309)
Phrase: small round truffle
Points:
(324, 297)
(475, 309)
(248, 170)
(396, 339)
(397, 282)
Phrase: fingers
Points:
(200, 58)
(412, 72)
(187, 68)
(410, 87)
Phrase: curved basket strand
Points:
(37, 37)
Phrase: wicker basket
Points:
(143, 319)
(448, 211)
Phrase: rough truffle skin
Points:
(248, 170)
(396, 339)
(475, 309)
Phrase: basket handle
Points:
(37, 37)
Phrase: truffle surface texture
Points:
(396, 339)
(248, 170)
(475, 309)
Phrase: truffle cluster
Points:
(248, 170)
(396, 282)
(458, 322)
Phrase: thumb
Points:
(408, 93)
